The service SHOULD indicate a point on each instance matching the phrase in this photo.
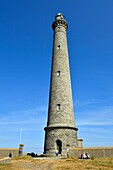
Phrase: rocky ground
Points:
(59, 164)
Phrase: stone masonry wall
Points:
(60, 92)
(94, 152)
(4, 152)
(63, 134)
(5, 160)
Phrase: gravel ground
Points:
(31, 165)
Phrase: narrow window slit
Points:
(58, 73)
(58, 47)
(58, 107)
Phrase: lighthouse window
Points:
(58, 73)
(58, 107)
(58, 47)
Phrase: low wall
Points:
(5, 160)
(4, 152)
(94, 152)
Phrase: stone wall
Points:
(4, 152)
(94, 152)
(5, 160)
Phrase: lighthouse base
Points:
(60, 139)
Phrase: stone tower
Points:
(60, 132)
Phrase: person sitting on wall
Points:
(84, 155)
(87, 155)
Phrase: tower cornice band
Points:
(60, 127)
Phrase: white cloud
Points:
(96, 126)
(79, 103)
(85, 103)
(30, 119)
(99, 116)
(92, 123)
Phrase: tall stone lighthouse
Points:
(61, 132)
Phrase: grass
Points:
(25, 157)
(28, 163)
(106, 162)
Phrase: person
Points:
(81, 156)
(67, 152)
(57, 152)
(87, 155)
(84, 155)
(10, 155)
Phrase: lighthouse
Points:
(61, 131)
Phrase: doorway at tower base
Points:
(60, 138)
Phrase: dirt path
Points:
(31, 165)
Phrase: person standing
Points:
(67, 152)
(57, 152)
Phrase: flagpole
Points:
(20, 136)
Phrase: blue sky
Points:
(26, 39)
